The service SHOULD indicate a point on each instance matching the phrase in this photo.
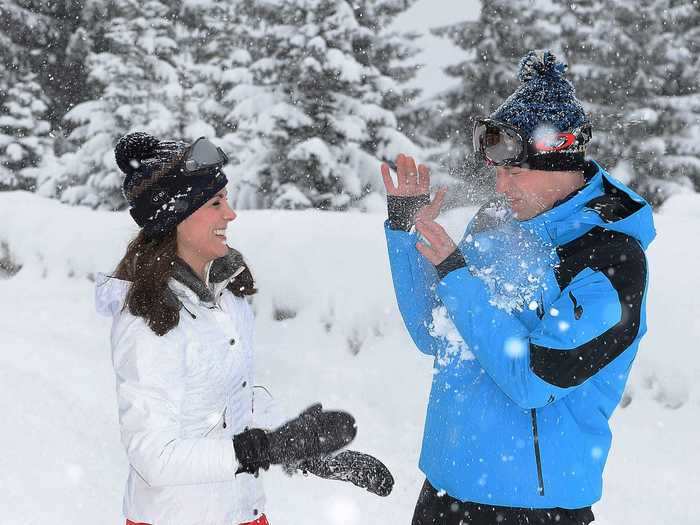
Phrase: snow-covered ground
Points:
(341, 342)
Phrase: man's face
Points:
(530, 192)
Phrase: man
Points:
(548, 297)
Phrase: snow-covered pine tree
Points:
(7, 79)
(495, 42)
(12, 54)
(629, 63)
(134, 73)
(207, 40)
(30, 33)
(389, 51)
(312, 110)
(44, 38)
(614, 74)
(587, 30)
(392, 51)
(676, 107)
(25, 140)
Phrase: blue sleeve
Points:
(594, 319)
(414, 280)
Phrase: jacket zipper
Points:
(226, 408)
(538, 459)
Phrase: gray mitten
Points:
(360, 469)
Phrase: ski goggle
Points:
(203, 155)
(502, 144)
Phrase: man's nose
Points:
(502, 180)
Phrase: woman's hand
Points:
(362, 470)
(314, 432)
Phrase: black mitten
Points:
(360, 469)
(314, 432)
(252, 450)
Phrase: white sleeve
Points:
(150, 382)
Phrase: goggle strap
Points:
(557, 161)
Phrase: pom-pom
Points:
(541, 64)
(132, 149)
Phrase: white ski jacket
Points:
(182, 397)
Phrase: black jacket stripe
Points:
(613, 204)
(622, 260)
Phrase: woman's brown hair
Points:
(149, 264)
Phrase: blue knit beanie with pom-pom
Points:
(546, 102)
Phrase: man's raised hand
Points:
(409, 198)
(431, 211)
(411, 180)
(437, 244)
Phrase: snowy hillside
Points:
(339, 339)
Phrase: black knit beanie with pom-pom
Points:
(160, 193)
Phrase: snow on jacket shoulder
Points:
(182, 397)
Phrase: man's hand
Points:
(411, 180)
(431, 211)
(409, 199)
(440, 244)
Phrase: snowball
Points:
(515, 347)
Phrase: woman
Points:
(182, 339)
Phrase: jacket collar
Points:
(185, 283)
(586, 209)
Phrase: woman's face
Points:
(202, 236)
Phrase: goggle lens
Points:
(498, 144)
(204, 154)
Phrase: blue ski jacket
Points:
(533, 342)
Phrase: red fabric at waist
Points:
(262, 520)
